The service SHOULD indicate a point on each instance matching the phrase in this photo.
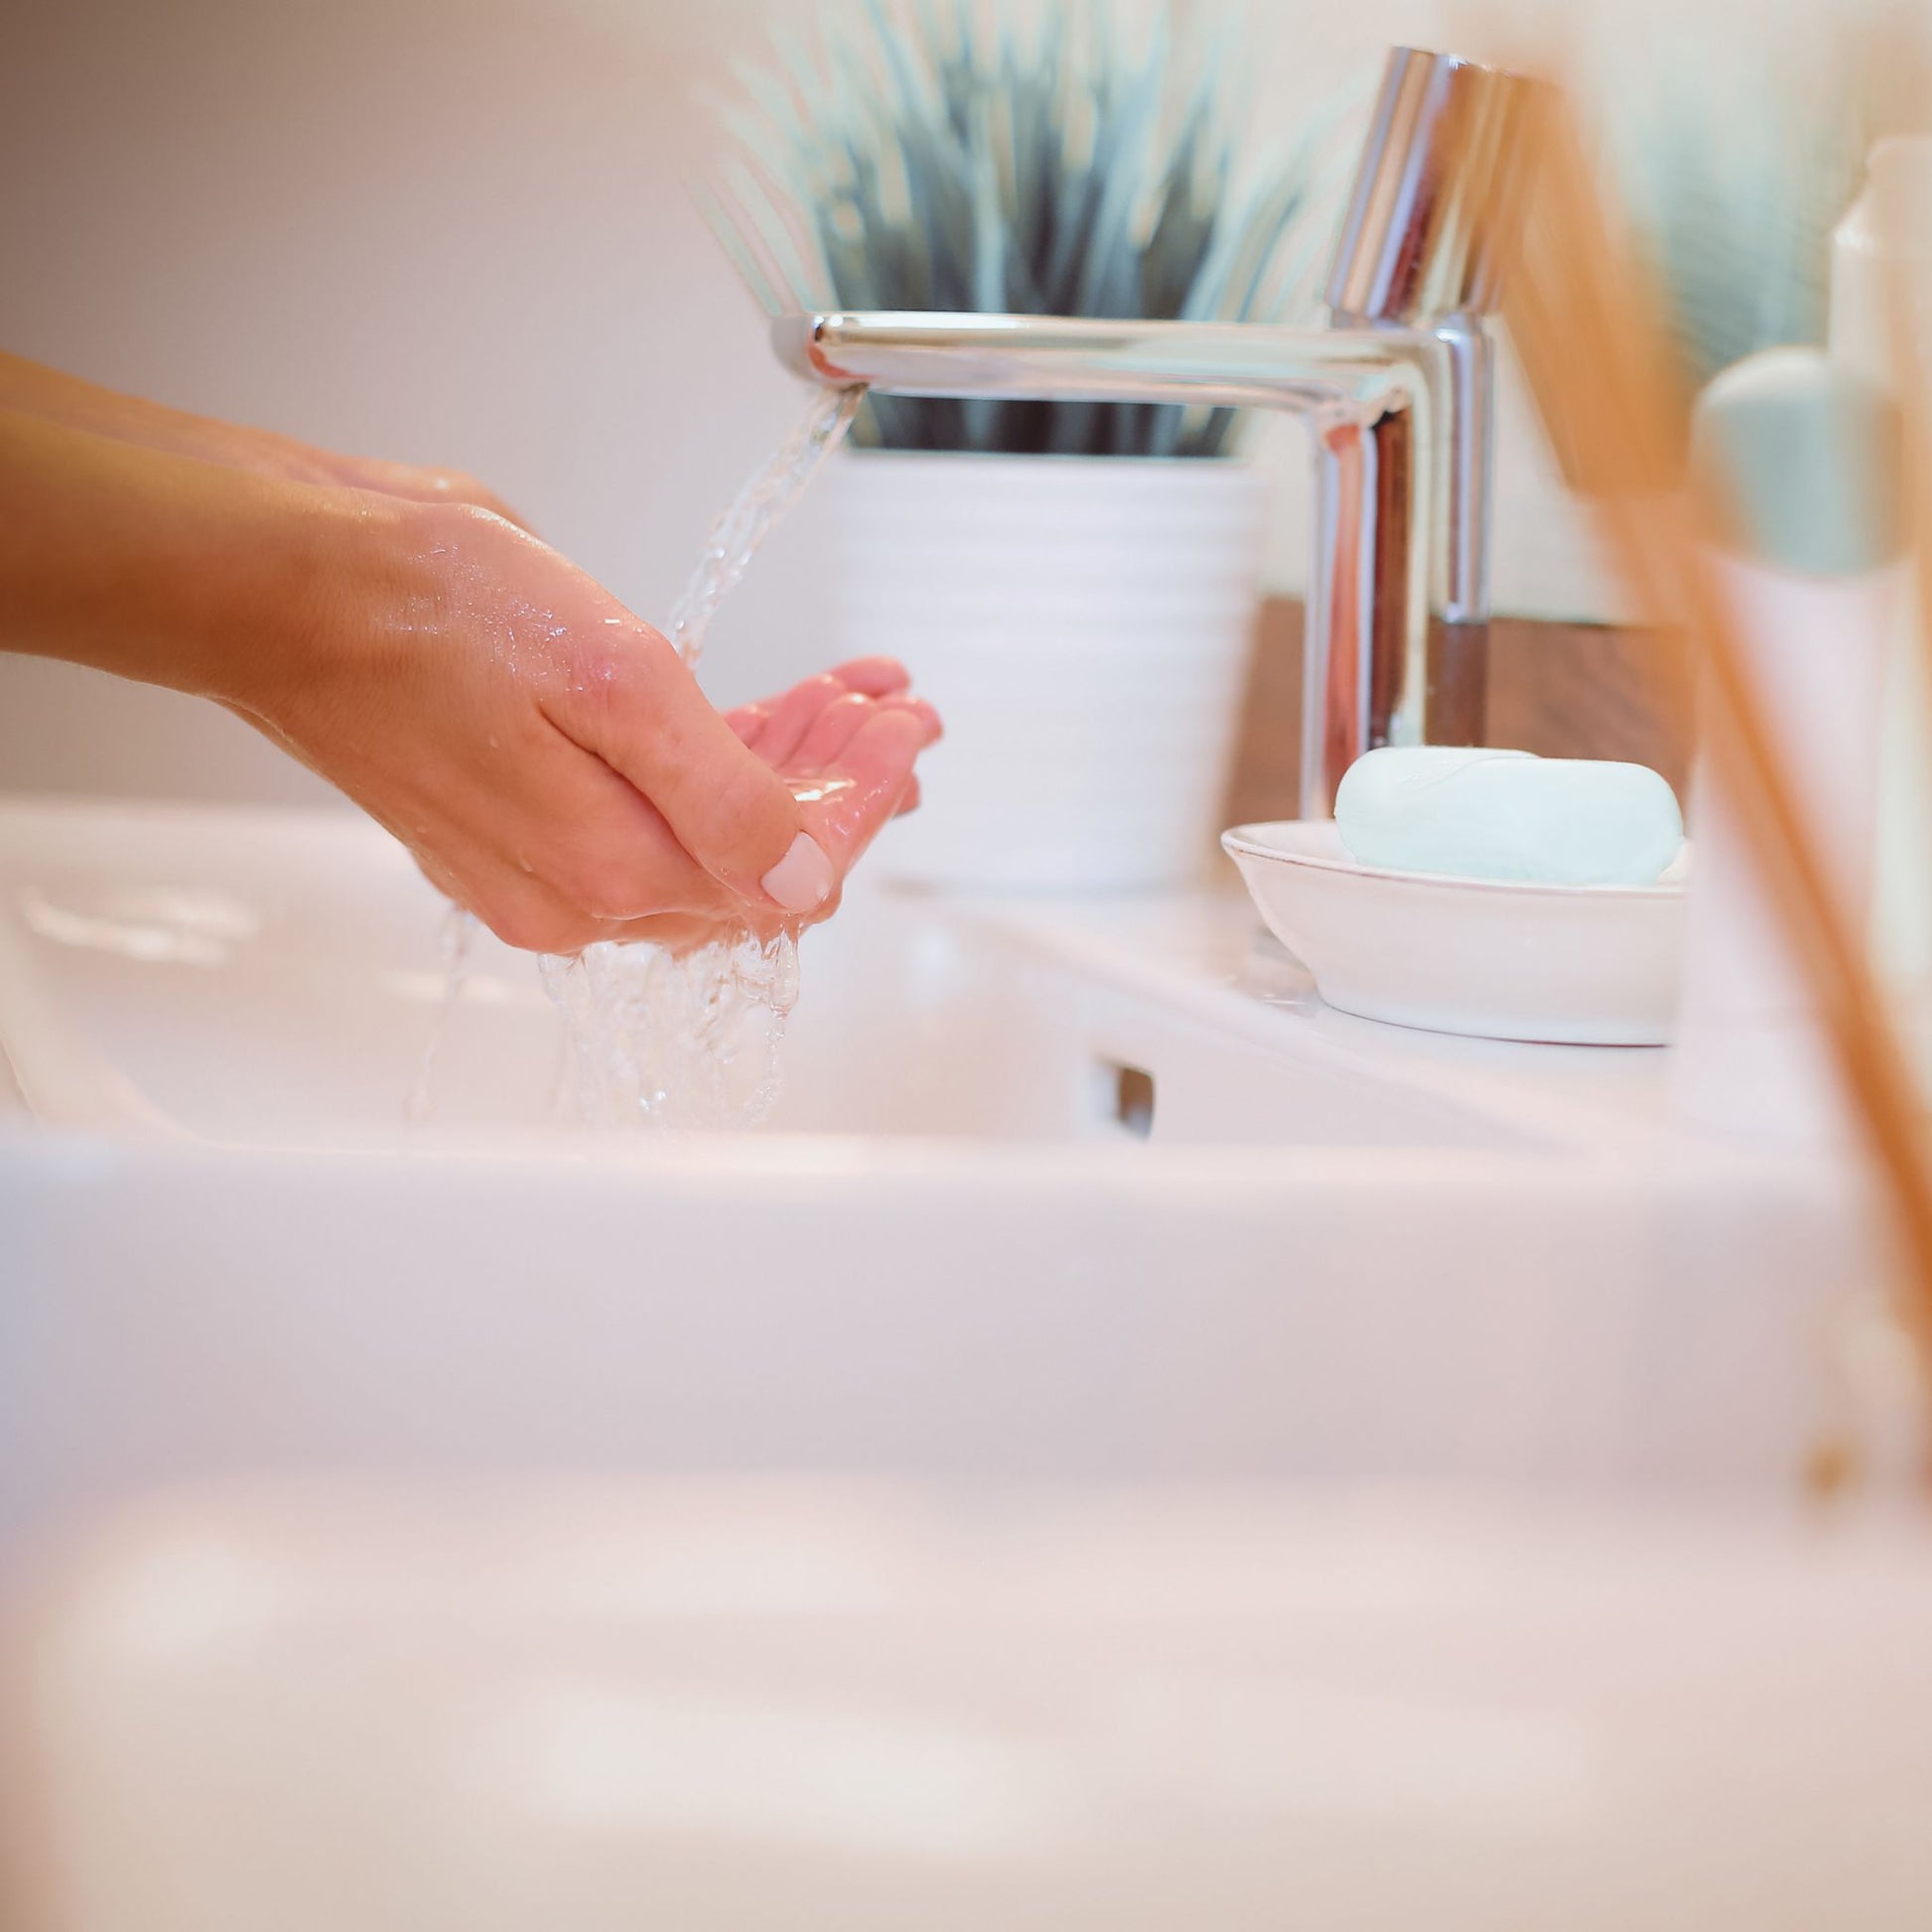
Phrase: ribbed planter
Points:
(1082, 623)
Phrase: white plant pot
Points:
(1083, 625)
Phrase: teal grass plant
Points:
(940, 155)
(1736, 169)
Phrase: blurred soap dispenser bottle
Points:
(1880, 251)
(1803, 452)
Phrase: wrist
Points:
(287, 592)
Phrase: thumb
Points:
(641, 710)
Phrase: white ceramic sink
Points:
(762, 1707)
(962, 1246)
(880, 1519)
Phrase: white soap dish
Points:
(1591, 965)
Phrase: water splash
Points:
(658, 1040)
(458, 932)
(695, 1041)
(754, 512)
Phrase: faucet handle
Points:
(1436, 191)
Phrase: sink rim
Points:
(1521, 1094)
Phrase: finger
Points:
(464, 489)
(608, 852)
(875, 677)
(428, 486)
(563, 821)
(831, 732)
(633, 702)
(914, 797)
(877, 763)
(748, 720)
(921, 710)
(794, 714)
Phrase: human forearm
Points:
(31, 390)
(156, 566)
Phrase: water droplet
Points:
(458, 931)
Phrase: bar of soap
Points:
(1487, 814)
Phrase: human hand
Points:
(545, 753)
(847, 777)
(548, 758)
(281, 456)
(792, 733)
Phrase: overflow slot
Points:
(1125, 1096)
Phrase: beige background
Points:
(456, 230)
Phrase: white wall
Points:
(455, 231)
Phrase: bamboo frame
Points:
(1591, 340)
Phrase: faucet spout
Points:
(1059, 357)
(1398, 405)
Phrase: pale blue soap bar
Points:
(1485, 814)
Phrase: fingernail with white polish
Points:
(802, 879)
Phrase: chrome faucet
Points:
(1398, 391)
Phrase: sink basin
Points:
(1056, 1189)
(273, 981)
